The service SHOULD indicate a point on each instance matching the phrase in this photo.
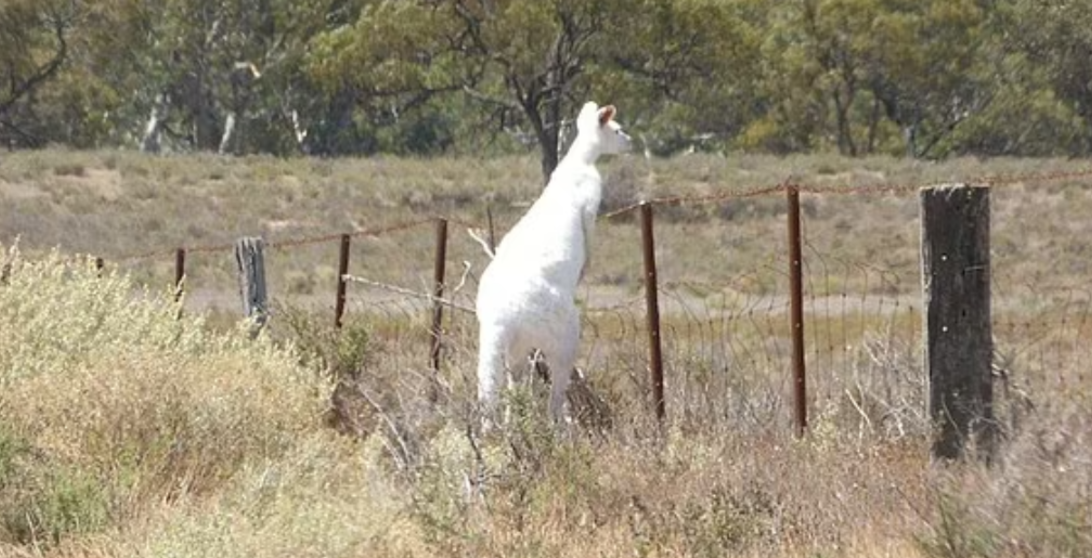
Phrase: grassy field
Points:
(131, 425)
(119, 204)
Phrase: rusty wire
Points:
(695, 199)
(293, 242)
(738, 326)
(860, 189)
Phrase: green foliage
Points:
(66, 503)
(339, 353)
(923, 79)
(685, 73)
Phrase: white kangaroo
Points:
(526, 296)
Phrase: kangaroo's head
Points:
(597, 126)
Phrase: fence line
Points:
(857, 315)
(873, 188)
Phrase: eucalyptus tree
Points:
(34, 46)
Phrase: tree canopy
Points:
(921, 78)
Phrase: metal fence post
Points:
(655, 355)
(492, 231)
(179, 272)
(342, 269)
(437, 305)
(796, 312)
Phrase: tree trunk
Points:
(873, 126)
(546, 132)
(150, 141)
(548, 147)
(845, 132)
(909, 135)
(206, 135)
(226, 137)
(299, 132)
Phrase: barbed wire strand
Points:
(717, 197)
(701, 339)
(868, 188)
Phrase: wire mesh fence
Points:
(726, 334)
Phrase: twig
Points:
(390, 424)
(462, 280)
(475, 483)
(860, 410)
(483, 242)
(407, 292)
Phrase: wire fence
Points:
(726, 341)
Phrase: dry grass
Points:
(127, 431)
(120, 204)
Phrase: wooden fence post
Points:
(342, 269)
(250, 262)
(652, 302)
(955, 259)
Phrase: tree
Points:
(533, 63)
(924, 78)
(33, 48)
(685, 71)
(932, 70)
(1057, 36)
(511, 57)
(214, 75)
(918, 65)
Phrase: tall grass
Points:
(129, 430)
(112, 404)
(131, 427)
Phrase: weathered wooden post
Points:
(250, 263)
(955, 260)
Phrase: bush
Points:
(1032, 502)
(112, 401)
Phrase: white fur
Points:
(526, 294)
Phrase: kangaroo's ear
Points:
(606, 114)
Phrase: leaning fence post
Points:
(179, 272)
(955, 262)
(437, 306)
(250, 263)
(492, 231)
(796, 312)
(655, 356)
(342, 270)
